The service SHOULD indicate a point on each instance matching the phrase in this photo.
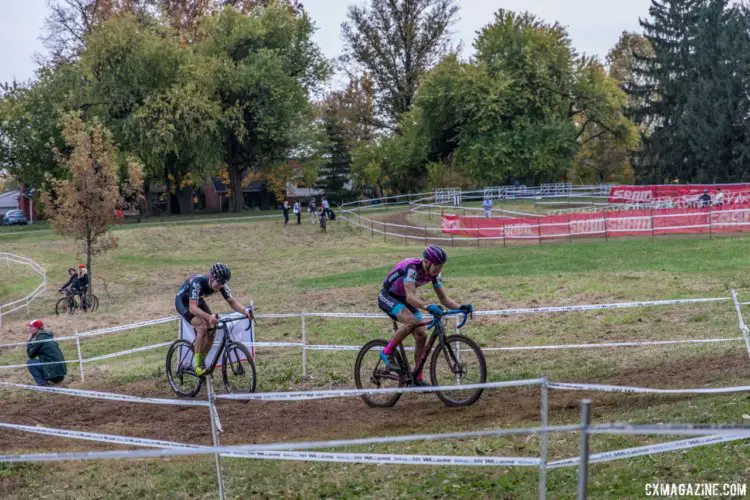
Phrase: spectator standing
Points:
(705, 199)
(44, 352)
(322, 217)
(312, 211)
(285, 207)
(487, 204)
(326, 206)
(719, 198)
(297, 211)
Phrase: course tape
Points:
(378, 458)
(543, 347)
(95, 436)
(129, 351)
(672, 429)
(106, 395)
(131, 326)
(24, 365)
(55, 339)
(287, 455)
(342, 393)
(167, 452)
(611, 344)
(273, 344)
(652, 449)
(645, 390)
(597, 307)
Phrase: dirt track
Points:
(259, 422)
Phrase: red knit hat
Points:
(36, 323)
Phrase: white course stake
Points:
(80, 358)
(215, 429)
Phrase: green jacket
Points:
(47, 352)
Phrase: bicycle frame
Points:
(222, 346)
(438, 332)
(224, 341)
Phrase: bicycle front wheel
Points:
(458, 362)
(238, 369)
(62, 306)
(371, 373)
(180, 369)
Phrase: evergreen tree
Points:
(693, 92)
(663, 95)
(337, 169)
(717, 104)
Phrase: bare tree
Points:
(396, 42)
(69, 22)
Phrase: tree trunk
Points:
(145, 205)
(172, 207)
(237, 200)
(88, 266)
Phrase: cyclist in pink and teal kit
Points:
(399, 300)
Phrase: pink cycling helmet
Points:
(435, 255)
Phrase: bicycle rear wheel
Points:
(238, 369)
(371, 373)
(93, 303)
(458, 362)
(180, 369)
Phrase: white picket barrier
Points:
(304, 346)
(24, 302)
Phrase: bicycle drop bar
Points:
(451, 312)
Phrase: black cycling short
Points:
(393, 304)
(183, 308)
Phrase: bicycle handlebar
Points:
(453, 312)
(224, 321)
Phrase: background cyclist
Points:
(190, 304)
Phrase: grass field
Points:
(297, 268)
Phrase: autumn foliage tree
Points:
(82, 206)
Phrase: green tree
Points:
(622, 63)
(30, 126)
(397, 42)
(158, 99)
(176, 133)
(522, 109)
(267, 67)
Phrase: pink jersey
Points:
(409, 270)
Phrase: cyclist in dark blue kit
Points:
(191, 306)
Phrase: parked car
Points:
(13, 217)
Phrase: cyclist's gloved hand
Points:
(435, 310)
(467, 308)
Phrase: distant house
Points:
(9, 201)
(257, 195)
(214, 196)
(297, 188)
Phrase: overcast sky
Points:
(593, 25)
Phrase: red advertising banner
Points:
(685, 194)
(610, 224)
